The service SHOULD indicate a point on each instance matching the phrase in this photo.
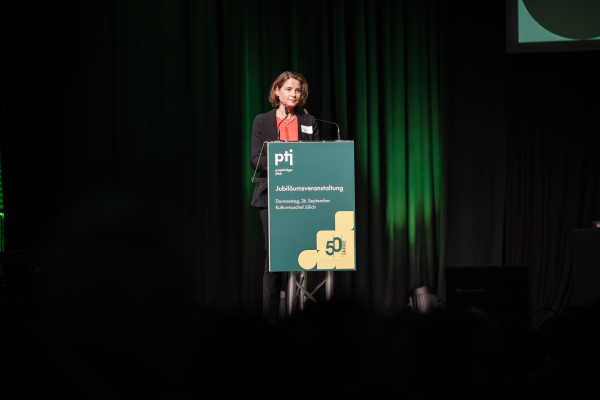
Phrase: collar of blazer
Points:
(302, 120)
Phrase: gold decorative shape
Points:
(335, 249)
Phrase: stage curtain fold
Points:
(553, 172)
(156, 99)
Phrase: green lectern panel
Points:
(311, 206)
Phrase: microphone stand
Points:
(339, 139)
(286, 115)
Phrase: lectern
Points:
(311, 213)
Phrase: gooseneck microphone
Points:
(286, 115)
(329, 122)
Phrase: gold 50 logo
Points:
(335, 249)
(331, 244)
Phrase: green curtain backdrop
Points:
(373, 67)
(154, 100)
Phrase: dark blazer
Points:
(264, 129)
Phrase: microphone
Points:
(316, 119)
(286, 115)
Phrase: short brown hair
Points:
(281, 79)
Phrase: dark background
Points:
(134, 114)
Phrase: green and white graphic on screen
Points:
(558, 20)
(311, 206)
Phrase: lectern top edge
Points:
(313, 141)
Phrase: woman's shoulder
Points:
(266, 115)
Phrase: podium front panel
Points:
(311, 206)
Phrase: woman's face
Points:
(289, 93)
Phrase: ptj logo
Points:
(280, 157)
